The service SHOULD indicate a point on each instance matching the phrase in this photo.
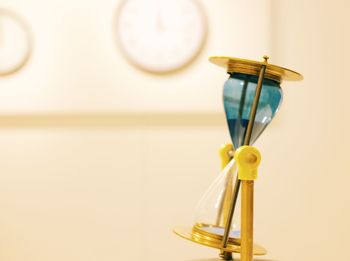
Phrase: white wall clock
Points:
(15, 42)
(161, 35)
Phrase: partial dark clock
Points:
(15, 42)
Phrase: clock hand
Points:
(159, 23)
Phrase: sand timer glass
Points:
(251, 96)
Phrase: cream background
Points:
(89, 174)
(77, 66)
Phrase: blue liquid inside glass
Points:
(239, 128)
(239, 93)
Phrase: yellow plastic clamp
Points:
(248, 159)
(225, 154)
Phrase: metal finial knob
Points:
(266, 58)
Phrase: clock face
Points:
(15, 45)
(161, 35)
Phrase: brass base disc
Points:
(215, 241)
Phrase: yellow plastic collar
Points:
(248, 159)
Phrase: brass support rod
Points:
(230, 214)
(247, 211)
(254, 106)
(246, 142)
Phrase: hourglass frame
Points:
(225, 242)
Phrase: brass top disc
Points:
(273, 72)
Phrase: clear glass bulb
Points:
(212, 210)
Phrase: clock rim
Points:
(29, 40)
(135, 63)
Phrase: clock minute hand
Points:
(159, 23)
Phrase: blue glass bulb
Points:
(239, 92)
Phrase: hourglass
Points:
(252, 96)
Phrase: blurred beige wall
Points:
(78, 67)
(99, 161)
(307, 170)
